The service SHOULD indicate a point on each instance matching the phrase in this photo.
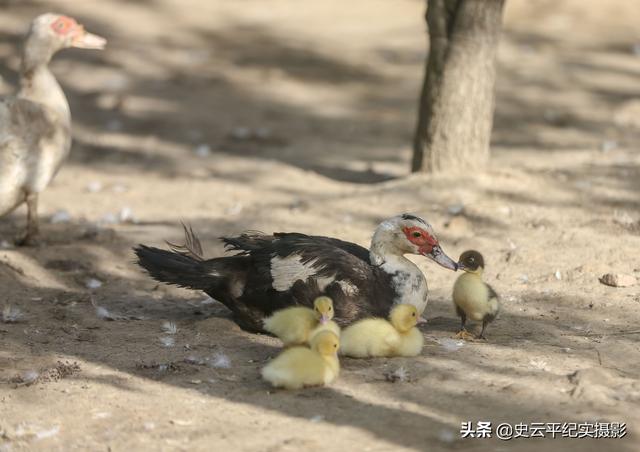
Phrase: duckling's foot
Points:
(464, 335)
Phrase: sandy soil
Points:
(271, 115)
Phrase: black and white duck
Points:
(272, 272)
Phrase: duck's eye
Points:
(335, 345)
(413, 314)
(61, 26)
(330, 308)
(417, 234)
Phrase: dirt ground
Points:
(282, 115)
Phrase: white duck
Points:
(35, 125)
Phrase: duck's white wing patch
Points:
(285, 271)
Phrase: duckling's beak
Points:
(86, 40)
(438, 256)
(324, 319)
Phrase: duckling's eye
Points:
(417, 234)
(335, 345)
(413, 314)
(330, 308)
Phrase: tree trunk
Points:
(456, 105)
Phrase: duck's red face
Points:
(72, 34)
(421, 238)
(427, 245)
(64, 25)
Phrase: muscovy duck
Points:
(271, 272)
(35, 125)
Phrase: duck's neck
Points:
(403, 331)
(38, 84)
(386, 256)
(408, 281)
(475, 274)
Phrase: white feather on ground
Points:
(12, 314)
(220, 361)
(169, 328)
(167, 341)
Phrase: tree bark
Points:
(456, 104)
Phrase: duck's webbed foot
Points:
(464, 335)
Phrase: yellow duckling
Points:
(472, 297)
(298, 367)
(379, 337)
(296, 325)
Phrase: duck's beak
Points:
(86, 40)
(324, 319)
(438, 256)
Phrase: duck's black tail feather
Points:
(176, 268)
(222, 278)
